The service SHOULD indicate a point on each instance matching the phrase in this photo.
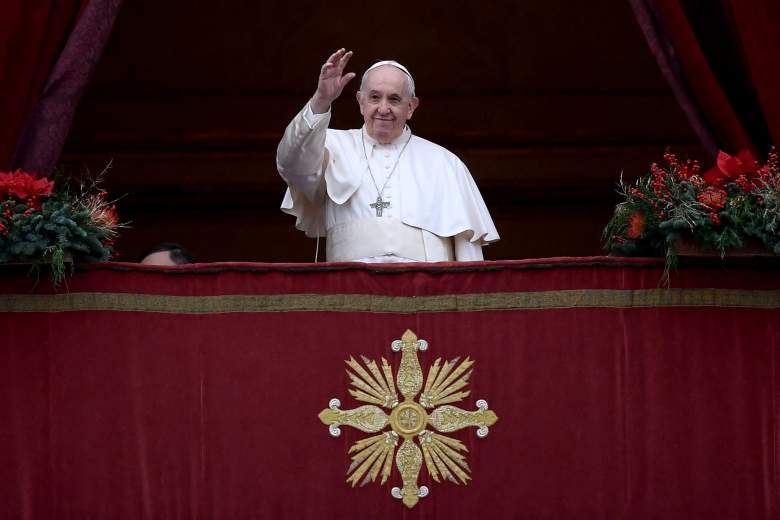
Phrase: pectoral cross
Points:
(379, 205)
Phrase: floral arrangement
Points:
(41, 222)
(733, 203)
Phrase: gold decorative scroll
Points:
(451, 418)
(373, 457)
(409, 461)
(410, 376)
(365, 418)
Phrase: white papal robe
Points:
(435, 213)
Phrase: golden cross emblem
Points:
(426, 420)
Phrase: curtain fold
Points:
(32, 35)
(717, 58)
(757, 24)
(48, 122)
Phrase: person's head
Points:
(167, 254)
(387, 101)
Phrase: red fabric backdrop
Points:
(756, 23)
(48, 121)
(719, 58)
(193, 392)
(32, 34)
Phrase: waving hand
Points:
(332, 81)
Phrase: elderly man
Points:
(379, 193)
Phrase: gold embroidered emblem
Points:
(408, 420)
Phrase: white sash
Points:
(378, 236)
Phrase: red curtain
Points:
(193, 391)
(32, 35)
(719, 58)
(47, 125)
(757, 23)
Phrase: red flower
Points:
(696, 181)
(744, 184)
(729, 168)
(34, 188)
(636, 224)
(23, 186)
(5, 183)
(713, 198)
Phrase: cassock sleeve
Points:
(300, 160)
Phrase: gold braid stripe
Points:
(566, 299)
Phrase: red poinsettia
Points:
(23, 186)
(637, 221)
(730, 168)
(713, 198)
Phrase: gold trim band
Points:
(565, 299)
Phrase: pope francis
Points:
(378, 193)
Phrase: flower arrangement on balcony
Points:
(723, 209)
(46, 222)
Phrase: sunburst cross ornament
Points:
(408, 420)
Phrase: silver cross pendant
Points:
(379, 205)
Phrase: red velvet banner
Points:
(194, 391)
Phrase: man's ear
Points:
(413, 104)
(359, 98)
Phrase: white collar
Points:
(399, 141)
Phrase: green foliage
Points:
(55, 233)
(674, 203)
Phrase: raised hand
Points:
(332, 81)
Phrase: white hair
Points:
(392, 63)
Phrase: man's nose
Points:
(384, 107)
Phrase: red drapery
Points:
(718, 58)
(48, 123)
(193, 392)
(32, 35)
(757, 24)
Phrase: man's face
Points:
(385, 103)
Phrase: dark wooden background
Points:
(545, 101)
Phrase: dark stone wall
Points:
(546, 102)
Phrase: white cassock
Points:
(435, 211)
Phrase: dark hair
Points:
(179, 255)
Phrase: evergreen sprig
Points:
(725, 208)
(40, 225)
